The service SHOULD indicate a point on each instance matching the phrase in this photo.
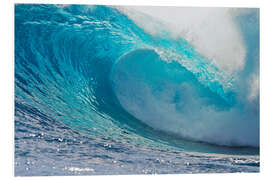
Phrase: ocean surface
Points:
(108, 90)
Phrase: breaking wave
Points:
(107, 72)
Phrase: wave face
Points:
(98, 71)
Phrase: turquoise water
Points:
(97, 94)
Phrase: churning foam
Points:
(168, 98)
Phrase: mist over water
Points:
(223, 45)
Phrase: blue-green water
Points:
(97, 94)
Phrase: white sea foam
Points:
(176, 106)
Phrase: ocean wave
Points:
(97, 70)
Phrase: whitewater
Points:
(135, 90)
